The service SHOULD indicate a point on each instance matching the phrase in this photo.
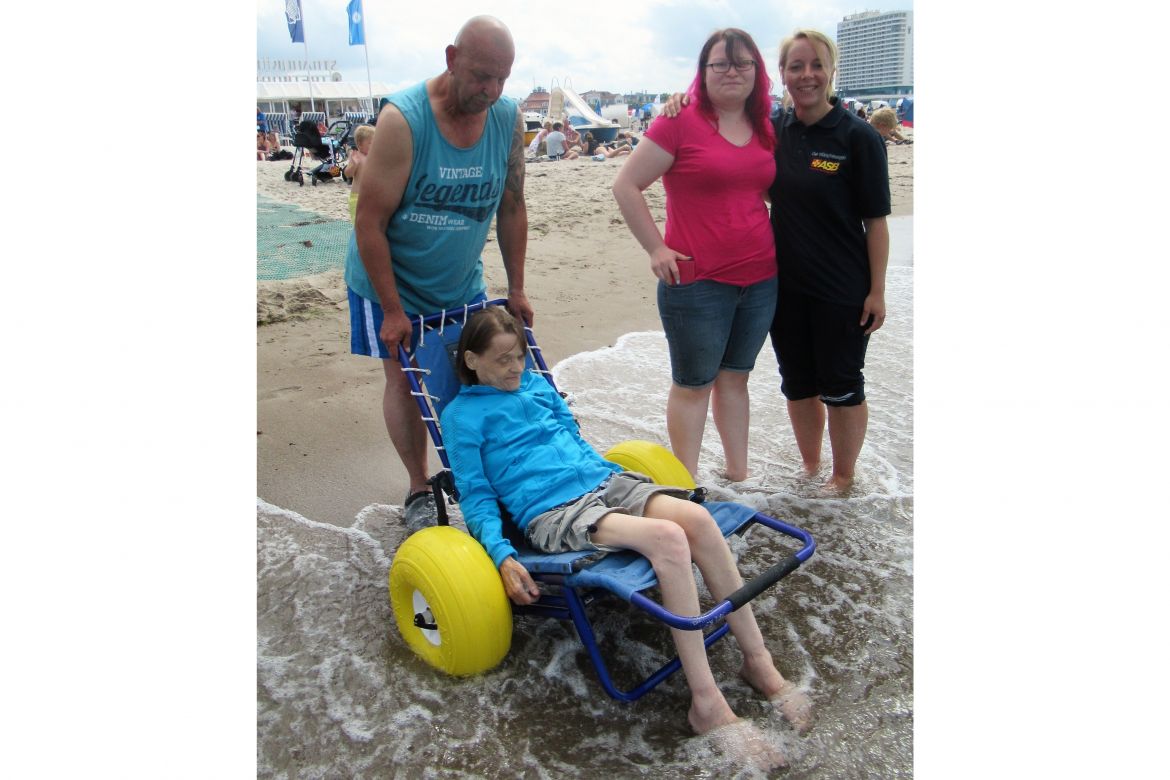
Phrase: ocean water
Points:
(340, 695)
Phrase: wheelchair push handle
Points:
(763, 581)
(729, 604)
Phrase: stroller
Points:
(329, 150)
(448, 601)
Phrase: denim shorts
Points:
(712, 327)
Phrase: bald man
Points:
(448, 154)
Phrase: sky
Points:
(649, 45)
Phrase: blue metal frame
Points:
(570, 603)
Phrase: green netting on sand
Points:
(292, 242)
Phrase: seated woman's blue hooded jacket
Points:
(520, 448)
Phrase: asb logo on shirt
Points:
(825, 166)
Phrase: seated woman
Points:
(512, 439)
(572, 137)
(589, 145)
(262, 145)
(534, 148)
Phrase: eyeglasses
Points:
(723, 65)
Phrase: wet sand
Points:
(322, 448)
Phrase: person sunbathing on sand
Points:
(617, 148)
(565, 496)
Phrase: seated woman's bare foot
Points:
(760, 673)
(795, 706)
(747, 746)
(710, 713)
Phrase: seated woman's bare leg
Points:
(665, 545)
(711, 554)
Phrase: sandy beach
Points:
(322, 447)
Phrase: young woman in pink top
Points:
(716, 265)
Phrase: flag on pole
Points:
(296, 22)
(357, 25)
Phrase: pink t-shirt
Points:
(715, 210)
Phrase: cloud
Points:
(648, 45)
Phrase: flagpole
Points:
(369, 82)
(309, 74)
(366, 48)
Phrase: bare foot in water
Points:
(760, 673)
(795, 706)
(710, 713)
(747, 746)
(838, 485)
(734, 476)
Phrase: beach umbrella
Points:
(906, 111)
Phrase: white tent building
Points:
(332, 97)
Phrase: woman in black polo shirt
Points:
(830, 199)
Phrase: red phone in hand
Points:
(686, 271)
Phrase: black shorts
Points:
(820, 348)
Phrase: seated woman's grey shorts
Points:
(567, 527)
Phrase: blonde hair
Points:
(884, 117)
(362, 133)
(814, 37)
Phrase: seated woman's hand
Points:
(518, 583)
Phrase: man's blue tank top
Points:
(441, 225)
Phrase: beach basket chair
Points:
(448, 600)
(278, 123)
(316, 117)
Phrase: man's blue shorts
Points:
(365, 321)
(712, 327)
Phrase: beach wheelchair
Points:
(448, 600)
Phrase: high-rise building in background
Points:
(876, 55)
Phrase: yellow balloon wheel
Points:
(653, 460)
(449, 603)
